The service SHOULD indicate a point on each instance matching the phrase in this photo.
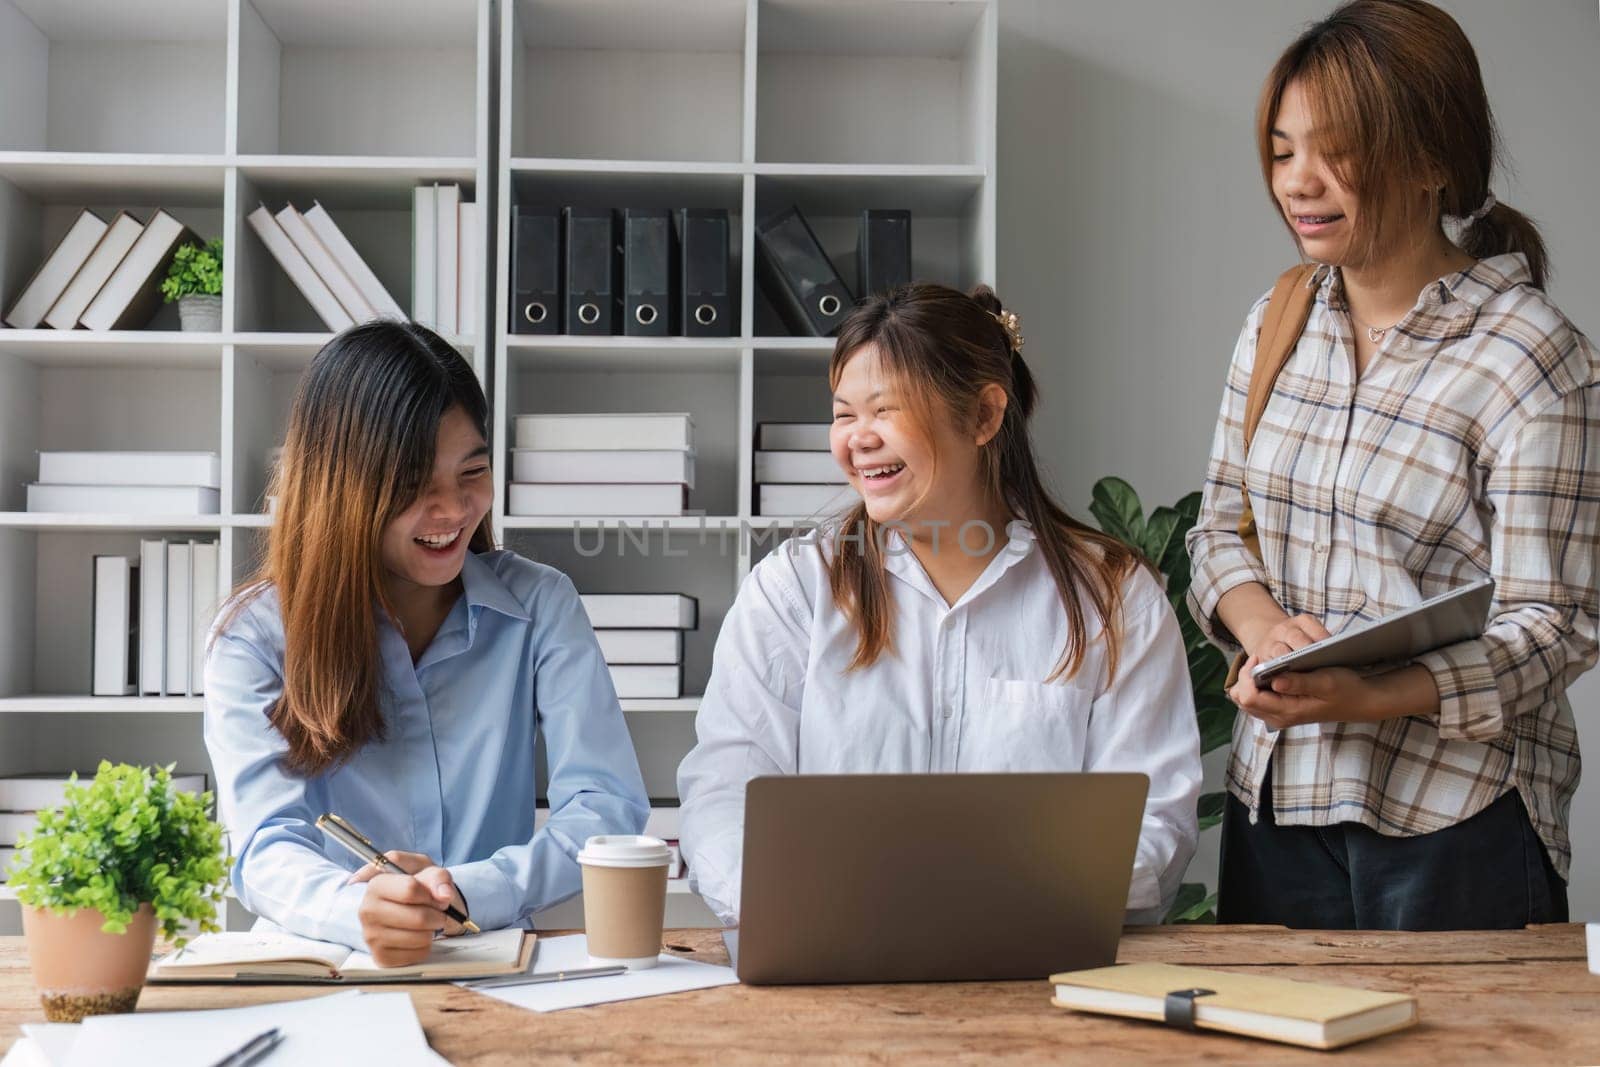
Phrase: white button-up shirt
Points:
(963, 689)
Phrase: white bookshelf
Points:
(207, 107)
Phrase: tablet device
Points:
(1458, 615)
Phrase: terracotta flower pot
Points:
(81, 970)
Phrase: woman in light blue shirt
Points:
(386, 664)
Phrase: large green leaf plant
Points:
(1159, 538)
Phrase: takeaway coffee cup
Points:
(624, 898)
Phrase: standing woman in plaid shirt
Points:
(1437, 422)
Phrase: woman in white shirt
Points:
(955, 620)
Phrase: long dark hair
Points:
(360, 448)
(942, 347)
(1396, 93)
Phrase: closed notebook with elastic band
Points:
(1274, 1009)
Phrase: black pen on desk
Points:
(341, 831)
(252, 1050)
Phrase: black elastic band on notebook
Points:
(1179, 1008)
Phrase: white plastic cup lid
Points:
(625, 850)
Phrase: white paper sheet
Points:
(337, 1030)
(53, 1040)
(672, 975)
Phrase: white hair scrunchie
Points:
(1483, 209)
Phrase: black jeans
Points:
(1489, 872)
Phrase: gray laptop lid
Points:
(935, 877)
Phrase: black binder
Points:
(706, 304)
(883, 251)
(649, 273)
(536, 272)
(798, 277)
(591, 288)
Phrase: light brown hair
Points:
(360, 448)
(1398, 105)
(941, 347)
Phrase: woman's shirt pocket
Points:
(1025, 725)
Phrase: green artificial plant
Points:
(1160, 539)
(126, 839)
(196, 271)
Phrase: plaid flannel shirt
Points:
(1469, 447)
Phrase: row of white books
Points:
(324, 265)
(23, 796)
(151, 617)
(795, 472)
(444, 249)
(641, 637)
(102, 275)
(129, 483)
(604, 464)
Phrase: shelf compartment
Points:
(874, 81)
(109, 76)
(627, 79)
(319, 79)
(114, 348)
(565, 353)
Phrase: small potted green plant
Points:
(122, 857)
(194, 280)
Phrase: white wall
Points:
(1134, 231)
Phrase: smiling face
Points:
(903, 473)
(1321, 210)
(425, 544)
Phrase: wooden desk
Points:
(1507, 998)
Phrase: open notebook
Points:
(271, 956)
(1299, 1013)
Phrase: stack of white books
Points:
(102, 275)
(22, 797)
(602, 465)
(151, 618)
(324, 266)
(663, 822)
(641, 637)
(129, 483)
(795, 472)
(444, 247)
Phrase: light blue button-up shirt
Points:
(454, 778)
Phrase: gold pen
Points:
(341, 831)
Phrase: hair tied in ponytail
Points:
(1482, 213)
(1013, 327)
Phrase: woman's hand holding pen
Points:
(401, 914)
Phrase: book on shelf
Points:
(180, 596)
(647, 681)
(641, 646)
(447, 219)
(813, 468)
(53, 276)
(618, 500)
(1276, 1009)
(13, 824)
(339, 246)
(48, 789)
(663, 822)
(793, 436)
(466, 275)
(632, 465)
(424, 256)
(152, 618)
(641, 611)
(95, 272)
(609, 431)
(321, 260)
(132, 295)
(115, 650)
(205, 563)
(804, 500)
(131, 468)
(299, 270)
(125, 499)
(7, 855)
(274, 954)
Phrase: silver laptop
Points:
(934, 877)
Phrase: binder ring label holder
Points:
(828, 305)
(588, 314)
(535, 312)
(645, 314)
(705, 314)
